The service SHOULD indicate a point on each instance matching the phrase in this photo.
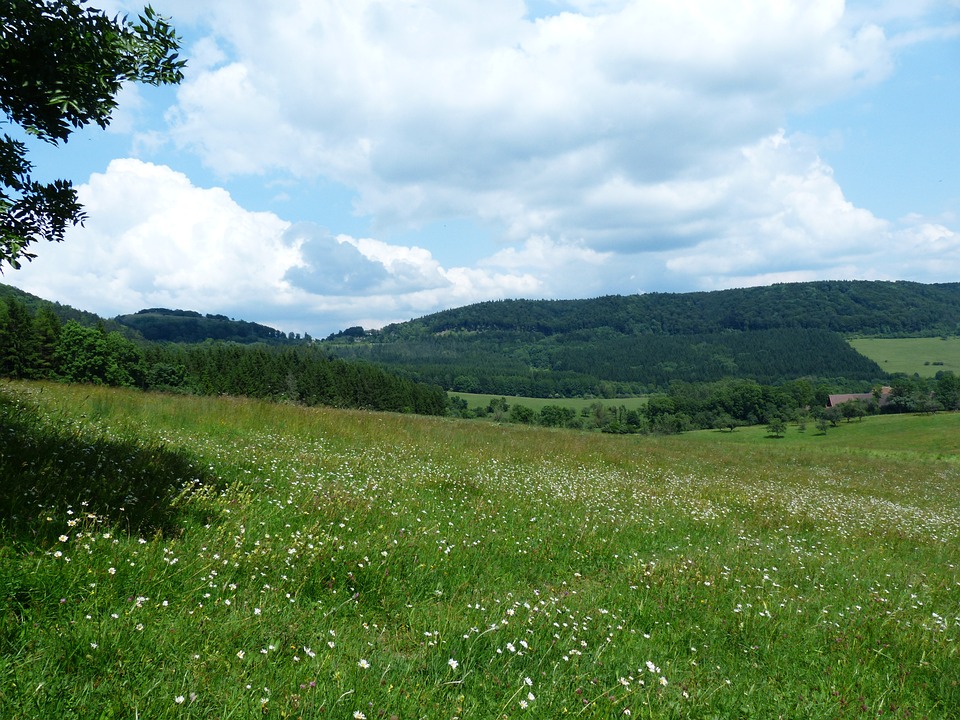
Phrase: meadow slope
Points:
(176, 557)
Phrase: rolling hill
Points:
(608, 346)
(639, 343)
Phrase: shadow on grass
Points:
(54, 470)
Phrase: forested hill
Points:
(643, 343)
(187, 326)
(856, 307)
(36, 344)
(65, 313)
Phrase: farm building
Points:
(847, 397)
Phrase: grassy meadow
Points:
(177, 557)
(906, 437)
(923, 356)
(480, 400)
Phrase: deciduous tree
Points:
(62, 64)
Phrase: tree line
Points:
(37, 345)
(729, 404)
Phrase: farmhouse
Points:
(847, 397)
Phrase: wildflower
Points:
(663, 681)
(359, 716)
(531, 697)
(363, 663)
(63, 538)
(528, 682)
(179, 699)
(256, 611)
(240, 654)
(112, 571)
(453, 664)
(523, 704)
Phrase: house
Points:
(866, 397)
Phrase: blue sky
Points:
(332, 164)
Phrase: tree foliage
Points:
(187, 326)
(864, 307)
(61, 66)
(610, 346)
(36, 345)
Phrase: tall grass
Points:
(180, 557)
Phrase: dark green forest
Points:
(603, 363)
(853, 307)
(64, 313)
(187, 326)
(38, 345)
(629, 345)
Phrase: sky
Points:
(359, 162)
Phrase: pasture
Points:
(479, 400)
(923, 356)
(178, 557)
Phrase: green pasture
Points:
(909, 437)
(475, 400)
(179, 557)
(923, 356)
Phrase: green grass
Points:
(175, 557)
(475, 400)
(919, 437)
(923, 356)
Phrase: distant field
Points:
(924, 356)
(578, 404)
(896, 436)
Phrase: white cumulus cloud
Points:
(154, 239)
(605, 146)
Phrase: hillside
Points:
(188, 326)
(854, 307)
(65, 313)
(609, 346)
(640, 343)
(36, 343)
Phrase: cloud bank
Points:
(610, 146)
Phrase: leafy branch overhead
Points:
(62, 65)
